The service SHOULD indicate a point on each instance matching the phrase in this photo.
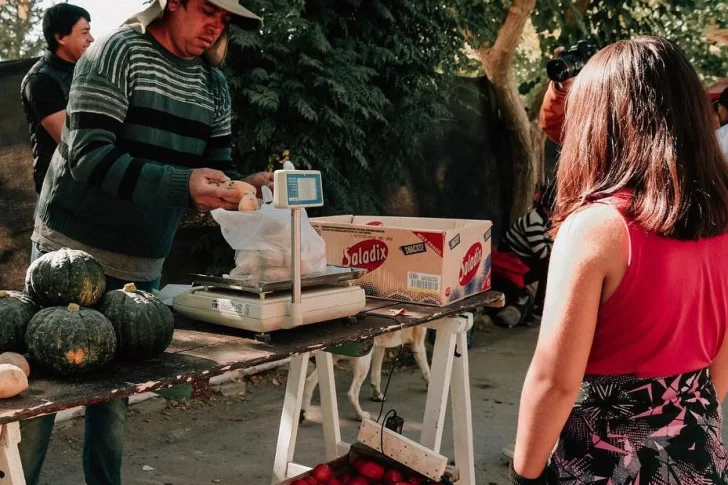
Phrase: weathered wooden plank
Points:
(402, 449)
(201, 350)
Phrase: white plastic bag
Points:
(262, 242)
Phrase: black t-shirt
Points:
(42, 96)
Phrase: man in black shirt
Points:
(44, 90)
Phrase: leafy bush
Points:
(348, 86)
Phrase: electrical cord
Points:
(381, 432)
(389, 377)
(384, 398)
(396, 359)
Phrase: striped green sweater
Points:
(138, 121)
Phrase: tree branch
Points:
(497, 64)
(497, 59)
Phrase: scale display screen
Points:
(297, 188)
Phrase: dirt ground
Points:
(231, 440)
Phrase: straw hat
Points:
(242, 17)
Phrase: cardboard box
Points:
(419, 260)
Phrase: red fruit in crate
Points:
(359, 481)
(333, 481)
(322, 473)
(372, 469)
(358, 463)
(312, 481)
(344, 479)
(393, 476)
(299, 482)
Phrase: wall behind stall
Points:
(465, 171)
(17, 197)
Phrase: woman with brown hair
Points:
(631, 363)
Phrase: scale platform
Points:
(264, 306)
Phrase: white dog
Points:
(414, 336)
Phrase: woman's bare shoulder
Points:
(595, 231)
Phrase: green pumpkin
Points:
(71, 340)
(16, 310)
(65, 276)
(143, 324)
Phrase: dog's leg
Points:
(376, 377)
(420, 355)
(361, 369)
(417, 345)
(311, 382)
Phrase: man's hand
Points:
(259, 180)
(208, 191)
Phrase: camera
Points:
(568, 64)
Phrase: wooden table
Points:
(200, 351)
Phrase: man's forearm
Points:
(90, 147)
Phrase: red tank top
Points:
(668, 315)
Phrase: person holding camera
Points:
(631, 363)
(551, 116)
(561, 72)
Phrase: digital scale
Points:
(266, 306)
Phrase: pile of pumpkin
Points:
(70, 325)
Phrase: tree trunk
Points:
(538, 137)
(497, 61)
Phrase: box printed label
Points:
(369, 254)
(470, 263)
(433, 240)
(454, 242)
(423, 282)
(411, 249)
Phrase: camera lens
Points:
(558, 70)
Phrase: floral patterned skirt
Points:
(626, 430)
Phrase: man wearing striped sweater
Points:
(147, 135)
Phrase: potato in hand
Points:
(248, 203)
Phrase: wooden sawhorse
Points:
(450, 375)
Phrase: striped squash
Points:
(65, 276)
(143, 324)
(71, 340)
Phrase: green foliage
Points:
(348, 86)
(562, 22)
(352, 87)
(20, 35)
